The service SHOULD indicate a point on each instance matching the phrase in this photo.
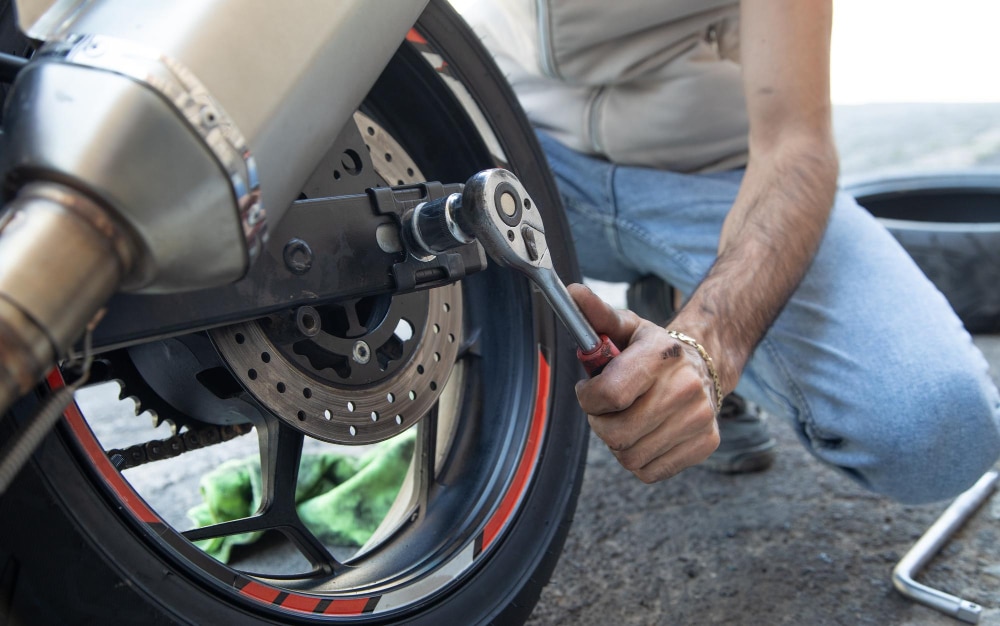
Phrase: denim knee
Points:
(935, 437)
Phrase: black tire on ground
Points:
(950, 226)
(77, 546)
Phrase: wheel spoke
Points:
(280, 453)
(424, 455)
(257, 523)
(322, 561)
(312, 548)
(470, 345)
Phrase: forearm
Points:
(767, 243)
(777, 221)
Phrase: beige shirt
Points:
(640, 82)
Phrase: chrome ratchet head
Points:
(497, 210)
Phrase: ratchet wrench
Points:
(496, 210)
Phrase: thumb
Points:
(605, 319)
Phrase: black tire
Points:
(950, 226)
(78, 546)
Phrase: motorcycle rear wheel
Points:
(79, 545)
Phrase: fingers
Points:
(656, 439)
(653, 406)
(651, 356)
(606, 320)
(665, 450)
(672, 462)
(621, 383)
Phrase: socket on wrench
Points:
(496, 210)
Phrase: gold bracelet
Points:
(679, 336)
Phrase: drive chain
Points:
(158, 450)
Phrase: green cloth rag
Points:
(340, 498)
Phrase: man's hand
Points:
(654, 405)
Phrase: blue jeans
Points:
(867, 360)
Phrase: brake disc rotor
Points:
(375, 366)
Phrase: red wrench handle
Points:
(595, 360)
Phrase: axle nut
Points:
(298, 256)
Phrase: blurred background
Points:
(915, 84)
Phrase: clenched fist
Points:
(653, 405)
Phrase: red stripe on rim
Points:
(528, 460)
(260, 592)
(347, 607)
(414, 37)
(302, 604)
(128, 497)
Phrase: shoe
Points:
(745, 445)
(651, 298)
